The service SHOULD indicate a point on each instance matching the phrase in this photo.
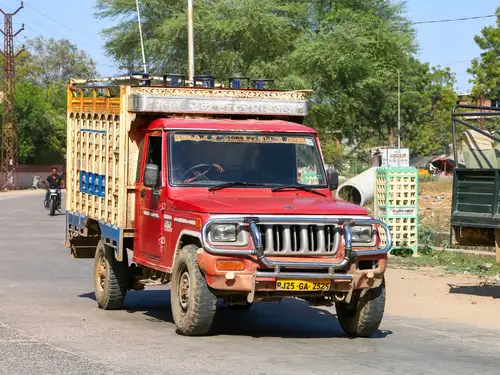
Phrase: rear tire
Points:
(110, 278)
(193, 304)
(365, 317)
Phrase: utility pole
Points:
(399, 109)
(190, 41)
(9, 154)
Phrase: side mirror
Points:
(332, 177)
(151, 175)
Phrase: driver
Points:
(196, 173)
(53, 181)
(189, 156)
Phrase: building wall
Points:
(26, 173)
(466, 99)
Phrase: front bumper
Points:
(261, 272)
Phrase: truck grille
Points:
(300, 239)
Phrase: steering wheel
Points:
(194, 168)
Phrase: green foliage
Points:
(426, 109)
(347, 51)
(452, 262)
(486, 68)
(402, 252)
(51, 64)
(426, 241)
(42, 75)
(41, 127)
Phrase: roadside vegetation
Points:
(449, 262)
(444, 258)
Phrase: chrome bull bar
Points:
(258, 247)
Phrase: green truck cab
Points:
(475, 216)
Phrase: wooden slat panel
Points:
(94, 147)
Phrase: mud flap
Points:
(251, 295)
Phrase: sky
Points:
(446, 44)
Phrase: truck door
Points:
(149, 239)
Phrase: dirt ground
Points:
(435, 204)
(431, 294)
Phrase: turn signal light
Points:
(230, 265)
(198, 223)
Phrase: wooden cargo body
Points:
(105, 125)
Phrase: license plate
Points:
(303, 285)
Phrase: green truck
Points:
(475, 217)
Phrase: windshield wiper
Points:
(298, 187)
(234, 183)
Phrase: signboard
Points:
(399, 211)
(393, 157)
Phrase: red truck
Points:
(222, 193)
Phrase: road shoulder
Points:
(431, 294)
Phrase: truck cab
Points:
(475, 216)
(221, 193)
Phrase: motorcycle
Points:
(54, 203)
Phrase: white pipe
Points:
(190, 41)
(140, 34)
(358, 190)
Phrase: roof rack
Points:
(173, 94)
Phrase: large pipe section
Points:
(358, 190)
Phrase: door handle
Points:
(143, 193)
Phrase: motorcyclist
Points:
(53, 181)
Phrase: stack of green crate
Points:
(396, 203)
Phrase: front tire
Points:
(364, 318)
(193, 304)
(52, 207)
(110, 278)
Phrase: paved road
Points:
(49, 324)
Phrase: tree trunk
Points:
(391, 139)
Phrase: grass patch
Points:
(450, 262)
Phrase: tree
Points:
(347, 51)
(51, 64)
(486, 68)
(41, 127)
(351, 63)
(230, 36)
(42, 75)
(426, 114)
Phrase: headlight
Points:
(223, 233)
(362, 234)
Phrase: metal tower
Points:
(9, 152)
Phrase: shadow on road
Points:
(288, 319)
(492, 291)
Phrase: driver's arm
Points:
(219, 168)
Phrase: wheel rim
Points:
(101, 271)
(184, 290)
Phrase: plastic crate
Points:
(396, 203)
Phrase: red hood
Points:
(262, 203)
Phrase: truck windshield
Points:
(209, 159)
